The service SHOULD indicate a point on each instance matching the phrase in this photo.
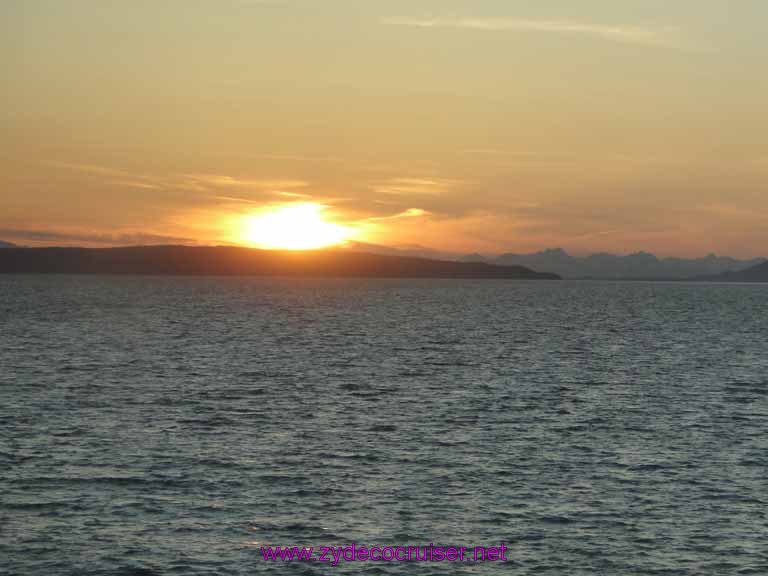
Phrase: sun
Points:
(299, 226)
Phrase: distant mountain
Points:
(475, 257)
(7, 244)
(641, 265)
(234, 261)
(412, 251)
(757, 273)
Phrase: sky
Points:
(461, 125)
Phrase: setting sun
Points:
(294, 227)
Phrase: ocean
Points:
(163, 425)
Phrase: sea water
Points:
(155, 425)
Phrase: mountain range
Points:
(641, 265)
(237, 261)
(637, 266)
(757, 273)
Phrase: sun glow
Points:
(298, 226)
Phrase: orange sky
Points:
(490, 125)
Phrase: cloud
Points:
(204, 181)
(506, 157)
(238, 200)
(90, 169)
(261, 200)
(297, 158)
(409, 213)
(123, 179)
(418, 186)
(294, 195)
(659, 36)
(198, 182)
(412, 213)
(121, 239)
(136, 184)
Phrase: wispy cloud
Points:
(412, 213)
(418, 186)
(408, 213)
(89, 168)
(196, 182)
(294, 195)
(113, 176)
(68, 237)
(137, 184)
(511, 158)
(297, 158)
(669, 36)
(223, 181)
(238, 200)
(261, 200)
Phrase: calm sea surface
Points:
(176, 425)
